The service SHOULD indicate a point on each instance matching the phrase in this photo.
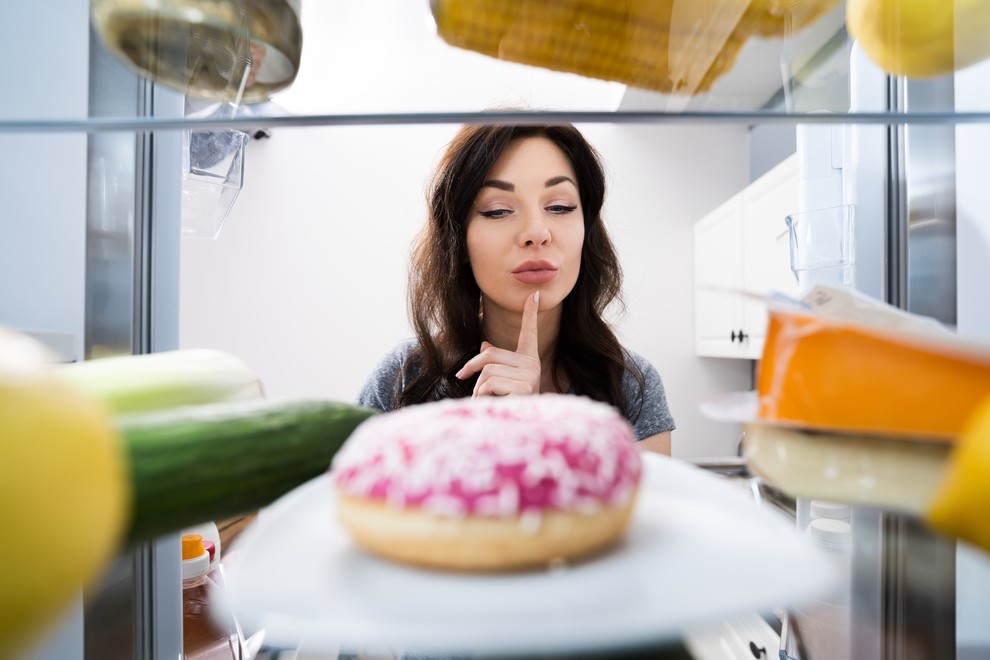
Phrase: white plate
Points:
(698, 549)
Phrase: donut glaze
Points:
(493, 457)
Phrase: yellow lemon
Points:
(921, 38)
(64, 492)
(961, 506)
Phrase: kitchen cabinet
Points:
(742, 246)
(132, 189)
(719, 313)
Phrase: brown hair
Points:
(444, 297)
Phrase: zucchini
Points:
(209, 462)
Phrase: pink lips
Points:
(535, 272)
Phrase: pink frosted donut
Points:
(491, 483)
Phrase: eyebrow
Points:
(505, 185)
(559, 179)
(501, 185)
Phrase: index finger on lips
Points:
(528, 331)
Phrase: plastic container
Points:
(821, 509)
(212, 174)
(201, 637)
(822, 247)
(195, 561)
(211, 537)
(831, 534)
(824, 623)
(216, 50)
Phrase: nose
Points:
(535, 231)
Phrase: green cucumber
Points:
(213, 461)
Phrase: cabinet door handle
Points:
(732, 336)
(742, 336)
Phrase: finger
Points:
(528, 333)
(501, 379)
(489, 355)
(506, 372)
(489, 388)
(498, 386)
(477, 363)
(486, 373)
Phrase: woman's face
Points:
(526, 227)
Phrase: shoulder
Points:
(400, 354)
(645, 396)
(636, 361)
(639, 371)
(390, 376)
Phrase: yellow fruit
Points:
(961, 506)
(63, 488)
(921, 38)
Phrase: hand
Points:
(506, 372)
(258, 53)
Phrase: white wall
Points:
(663, 178)
(306, 281)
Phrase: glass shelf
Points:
(101, 124)
(584, 61)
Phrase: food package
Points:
(661, 45)
(862, 403)
(844, 362)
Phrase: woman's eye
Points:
(495, 213)
(560, 209)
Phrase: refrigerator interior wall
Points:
(930, 180)
(42, 176)
(972, 141)
(920, 564)
(864, 174)
(132, 307)
(43, 188)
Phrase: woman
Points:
(509, 282)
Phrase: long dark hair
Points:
(444, 297)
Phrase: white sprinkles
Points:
(493, 457)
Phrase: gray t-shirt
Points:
(398, 365)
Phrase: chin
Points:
(550, 298)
